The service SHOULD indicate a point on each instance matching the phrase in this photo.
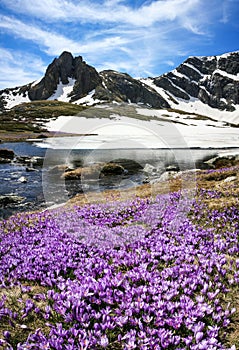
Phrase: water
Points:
(43, 189)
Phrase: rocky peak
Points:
(59, 71)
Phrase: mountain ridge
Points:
(200, 83)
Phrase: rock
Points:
(33, 161)
(149, 169)
(30, 169)
(230, 179)
(223, 161)
(59, 169)
(38, 161)
(22, 179)
(168, 175)
(5, 160)
(6, 200)
(23, 159)
(112, 169)
(6, 153)
(91, 171)
(130, 166)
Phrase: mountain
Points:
(206, 86)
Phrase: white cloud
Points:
(53, 43)
(110, 11)
(19, 68)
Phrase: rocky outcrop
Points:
(60, 70)
(213, 80)
(121, 87)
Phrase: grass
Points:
(26, 119)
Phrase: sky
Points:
(141, 37)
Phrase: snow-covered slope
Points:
(193, 108)
(206, 86)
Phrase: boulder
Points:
(91, 171)
(173, 167)
(59, 169)
(149, 169)
(30, 169)
(112, 169)
(6, 153)
(9, 199)
(130, 166)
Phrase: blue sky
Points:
(142, 38)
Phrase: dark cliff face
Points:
(60, 70)
(213, 80)
(122, 87)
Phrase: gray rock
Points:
(9, 199)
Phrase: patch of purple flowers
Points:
(119, 276)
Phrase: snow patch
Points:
(227, 75)
(13, 98)
(63, 90)
(88, 100)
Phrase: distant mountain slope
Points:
(207, 86)
(213, 80)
